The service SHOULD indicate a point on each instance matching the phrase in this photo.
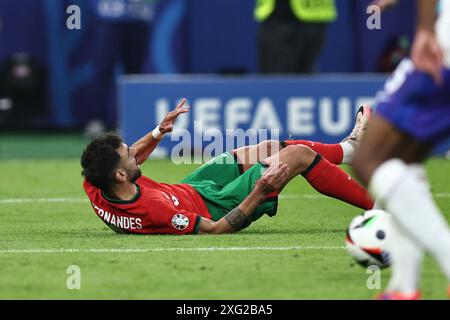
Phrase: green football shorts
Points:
(223, 186)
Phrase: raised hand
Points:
(167, 123)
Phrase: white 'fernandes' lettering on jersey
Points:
(119, 221)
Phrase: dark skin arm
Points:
(147, 144)
(427, 14)
(272, 180)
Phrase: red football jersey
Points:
(158, 208)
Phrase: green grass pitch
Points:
(43, 209)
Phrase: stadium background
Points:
(187, 37)
(211, 37)
(206, 51)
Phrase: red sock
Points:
(332, 181)
(331, 152)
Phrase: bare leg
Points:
(382, 142)
(388, 161)
(322, 175)
(251, 155)
(298, 158)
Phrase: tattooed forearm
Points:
(236, 219)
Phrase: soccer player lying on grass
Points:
(224, 195)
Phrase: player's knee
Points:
(270, 146)
(304, 155)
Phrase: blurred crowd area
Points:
(59, 67)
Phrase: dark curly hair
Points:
(99, 160)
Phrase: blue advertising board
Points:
(318, 108)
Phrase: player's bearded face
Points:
(133, 170)
(134, 174)
(129, 163)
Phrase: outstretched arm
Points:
(273, 180)
(145, 146)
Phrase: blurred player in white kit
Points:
(412, 116)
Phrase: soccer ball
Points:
(369, 237)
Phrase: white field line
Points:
(442, 195)
(301, 196)
(83, 200)
(150, 250)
